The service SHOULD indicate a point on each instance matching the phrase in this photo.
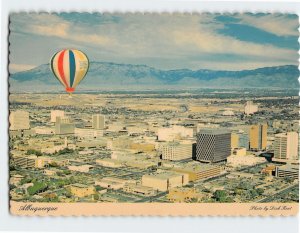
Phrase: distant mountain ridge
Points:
(108, 75)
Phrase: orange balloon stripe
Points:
(61, 67)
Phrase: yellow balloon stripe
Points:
(81, 66)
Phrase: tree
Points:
(96, 197)
(253, 193)
(260, 191)
(25, 181)
(37, 188)
(67, 172)
(98, 188)
(220, 195)
(34, 152)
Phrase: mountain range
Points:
(108, 75)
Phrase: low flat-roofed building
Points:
(248, 160)
(107, 162)
(165, 180)
(126, 155)
(197, 171)
(141, 164)
(113, 183)
(142, 147)
(100, 142)
(175, 132)
(288, 170)
(81, 168)
(88, 133)
(31, 161)
(61, 162)
(183, 195)
(42, 130)
(82, 190)
(50, 172)
(122, 142)
(139, 189)
(239, 151)
(268, 170)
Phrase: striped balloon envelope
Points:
(69, 66)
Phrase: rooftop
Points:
(162, 176)
(213, 131)
(195, 167)
(289, 167)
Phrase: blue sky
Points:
(165, 41)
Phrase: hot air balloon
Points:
(69, 66)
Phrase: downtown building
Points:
(286, 145)
(98, 121)
(175, 151)
(213, 145)
(240, 140)
(19, 120)
(56, 113)
(63, 125)
(250, 108)
(287, 171)
(258, 137)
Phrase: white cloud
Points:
(211, 43)
(277, 24)
(54, 26)
(163, 37)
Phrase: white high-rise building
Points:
(175, 132)
(98, 121)
(19, 120)
(56, 113)
(63, 125)
(177, 151)
(286, 145)
(250, 108)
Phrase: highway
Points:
(152, 198)
(280, 192)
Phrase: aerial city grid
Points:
(147, 133)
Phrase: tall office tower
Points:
(175, 151)
(19, 120)
(213, 145)
(250, 108)
(234, 140)
(63, 125)
(240, 139)
(286, 145)
(98, 121)
(244, 140)
(258, 137)
(56, 113)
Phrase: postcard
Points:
(155, 114)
